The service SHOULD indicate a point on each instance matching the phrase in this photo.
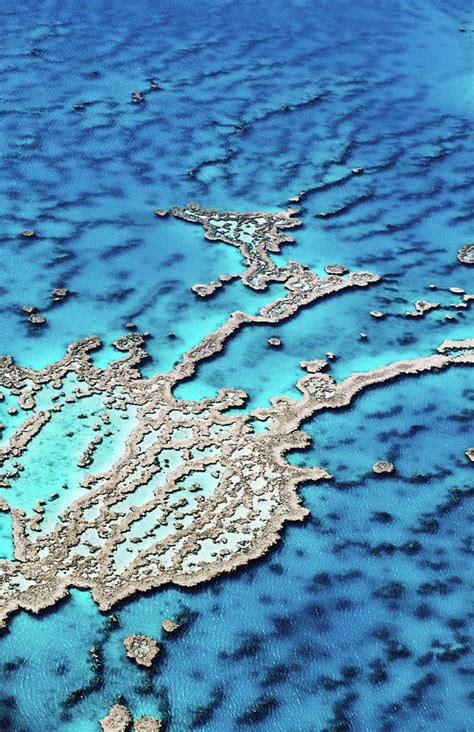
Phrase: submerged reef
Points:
(194, 491)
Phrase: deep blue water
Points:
(360, 618)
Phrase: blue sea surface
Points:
(360, 618)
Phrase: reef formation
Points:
(142, 649)
(466, 254)
(119, 719)
(194, 491)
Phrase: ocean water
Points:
(359, 618)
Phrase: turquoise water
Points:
(359, 618)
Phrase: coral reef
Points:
(466, 254)
(195, 491)
(142, 649)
